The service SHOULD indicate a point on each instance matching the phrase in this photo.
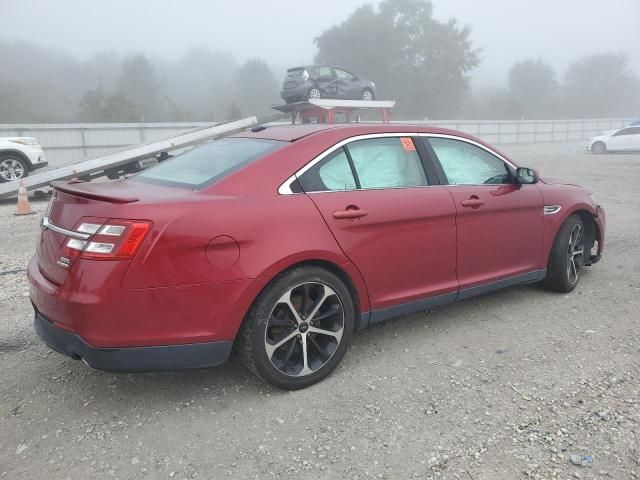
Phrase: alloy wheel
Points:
(11, 169)
(367, 96)
(575, 258)
(314, 94)
(304, 329)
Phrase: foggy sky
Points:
(282, 31)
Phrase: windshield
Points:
(209, 163)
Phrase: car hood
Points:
(556, 181)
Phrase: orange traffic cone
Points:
(24, 207)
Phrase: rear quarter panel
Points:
(272, 233)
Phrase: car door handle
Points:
(473, 202)
(351, 214)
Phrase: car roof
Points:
(291, 133)
(343, 131)
(285, 133)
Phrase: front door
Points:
(622, 140)
(635, 138)
(346, 84)
(395, 228)
(500, 224)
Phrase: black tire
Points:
(113, 174)
(264, 317)
(599, 148)
(559, 271)
(312, 95)
(365, 95)
(8, 159)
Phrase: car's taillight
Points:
(111, 240)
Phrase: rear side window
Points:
(387, 163)
(372, 163)
(332, 173)
(209, 163)
(322, 72)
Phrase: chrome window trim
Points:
(285, 187)
(45, 224)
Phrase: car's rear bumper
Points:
(91, 303)
(296, 93)
(131, 359)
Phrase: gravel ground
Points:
(518, 384)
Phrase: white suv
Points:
(18, 157)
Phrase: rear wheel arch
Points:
(332, 267)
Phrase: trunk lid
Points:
(294, 77)
(75, 203)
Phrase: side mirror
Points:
(526, 176)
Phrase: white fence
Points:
(71, 142)
(533, 131)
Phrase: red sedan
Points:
(283, 241)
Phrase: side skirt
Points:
(376, 316)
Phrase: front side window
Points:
(208, 163)
(343, 74)
(622, 133)
(467, 164)
(389, 162)
(332, 173)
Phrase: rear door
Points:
(394, 223)
(323, 77)
(499, 224)
(635, 138)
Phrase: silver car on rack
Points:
(325, 81)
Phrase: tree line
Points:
(423, 63)
(202, 85)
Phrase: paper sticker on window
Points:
(407, 144)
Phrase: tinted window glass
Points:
(211, 162)
(332, 173)
(322, 72)
(295, 72)
(622, 133)
(342, 74)
(387, 163)
(466, 164)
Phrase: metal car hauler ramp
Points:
(112, 160)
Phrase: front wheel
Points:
(567, 256)
(12, 168)
(299, 328)
(599, 148)
(367, 95)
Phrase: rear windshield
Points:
(295, 72)
(209, 163)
